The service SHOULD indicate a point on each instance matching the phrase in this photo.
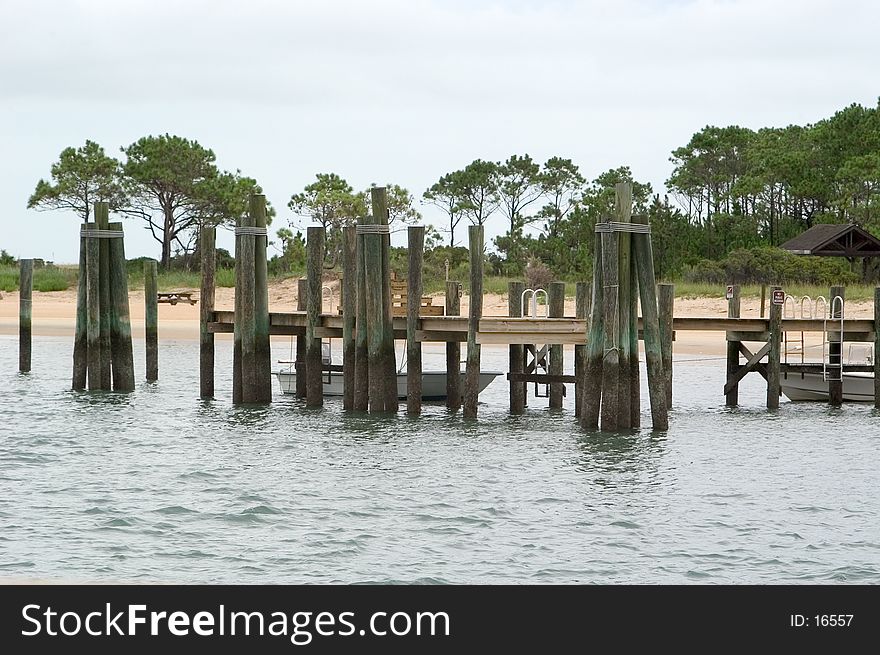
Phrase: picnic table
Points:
(174, 297)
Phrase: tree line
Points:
(732, 189)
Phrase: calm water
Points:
(159, 486)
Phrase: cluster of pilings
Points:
(623, 275)
(102, 352)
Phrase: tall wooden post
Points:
(623, 214)
(314, 268)
(302, 294)
(151, 318)
(262, 391)
(611, 405)
(835, 350)
(416, 244)
(666, 302)
(453, 349)
(582, 311)
(652, 327)
(237, 394)
(80, 339)
(733, 311)
(556, 309)
(379, 204)
(475, 311)
(102, 220)
(774, 357)
(208, 251)
(121, 352)
(877, 347)
(516, 352)
(245, 320)
(349, 311)
(361, 348)
(25, 295)
(591, 384)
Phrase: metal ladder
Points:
(539, 356)
(795, 346)
(832, 365)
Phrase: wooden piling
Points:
(774, 356)
(375, 319)
(582, 311)
(666, 308)
(25, 296)
(121, 354)
(151, 318)
(102, 220)
(262, 373)
(835, 349)
(245, 318)
(314, 268)
(516, 350)
(652, 326)
(453, 349)
(623, 214)
(388, 374)
(236, 337)
(556, 309)
(877, 347)
(475, 311)
(733, 311)
(302, 294)
(208, 251)
(361, 349)
(93, 272)
(80, 339)
(349, 312)
(591, 381)
(416, 245)
(611, 405)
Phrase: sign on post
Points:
(729, 294)
(778, 297)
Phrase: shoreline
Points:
(54, 315)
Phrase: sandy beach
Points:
(54, 314)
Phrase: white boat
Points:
(858, 387)
(433, 382)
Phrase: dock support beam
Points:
(581, 310)
(666, 308)
(207, 250)
(416, 244)
(775, 353)
(314, 297)
(516, 351)
(591, 386)
(556, 309)
(80, 339)
(151, 318)
(25, 295)
(475, 311)
(626, 375)
(453, 349)
(349, 311)
(611, 406)
(733, 311)
(102, 219)
(361, 355)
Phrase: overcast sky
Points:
(404, 91)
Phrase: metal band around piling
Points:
(613, 226)
(101, 234)
(251, 231)
(366, 228)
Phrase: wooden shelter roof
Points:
(827, 240)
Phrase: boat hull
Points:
(433, 383)
(857, 387)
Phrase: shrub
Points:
(538, 275)
(770, 266)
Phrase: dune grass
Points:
(48, 278)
